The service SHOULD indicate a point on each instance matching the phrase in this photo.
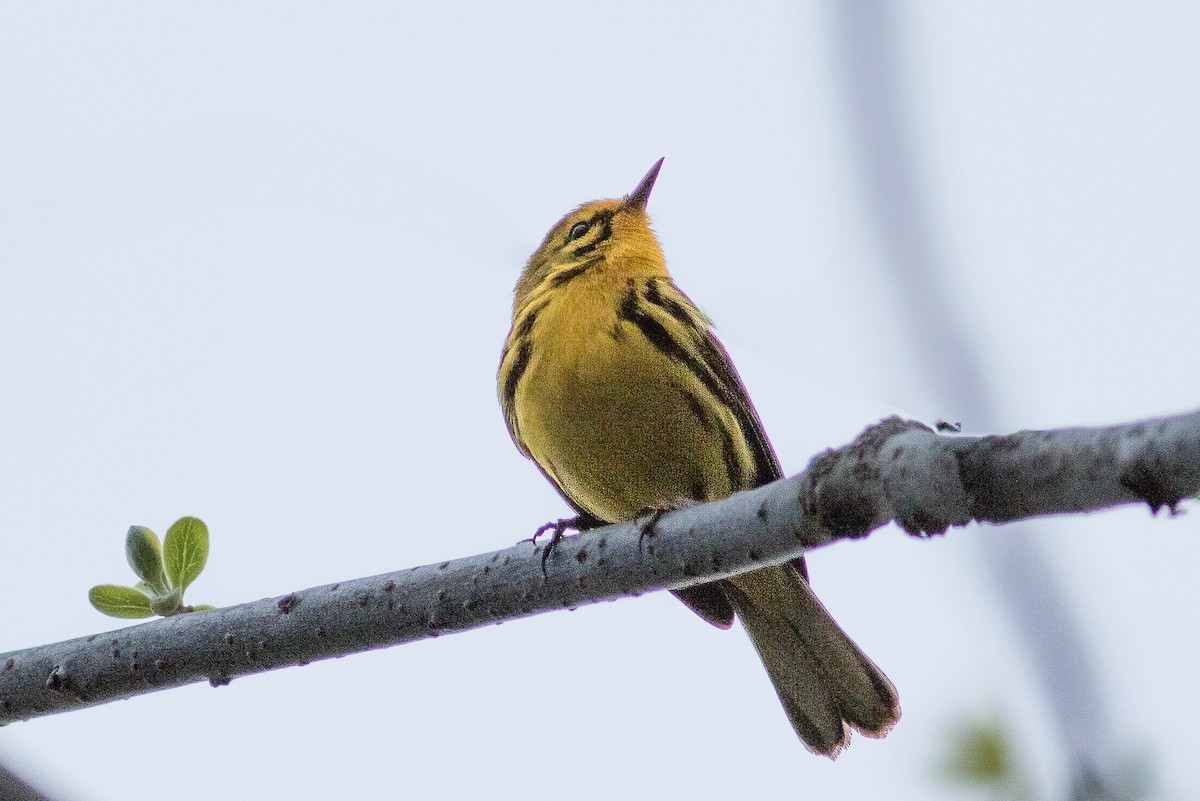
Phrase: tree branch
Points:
(896, 470)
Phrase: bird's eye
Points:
(577, 230)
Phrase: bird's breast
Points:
(609, 416)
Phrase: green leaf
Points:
(117, 601)
(202, 607)
(144, 554)
(168, 604)
(185, 551)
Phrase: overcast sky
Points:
(256, 266)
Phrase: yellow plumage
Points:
(612, 381)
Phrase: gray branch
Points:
(896, 470)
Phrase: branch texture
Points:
(896, 470)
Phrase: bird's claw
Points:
(578, 523)
(647, 527)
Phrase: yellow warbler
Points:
(613, 383)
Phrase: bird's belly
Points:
(617, 430)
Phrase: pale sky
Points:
(256, 266)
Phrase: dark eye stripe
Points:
(560, 278)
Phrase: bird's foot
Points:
(559, 527)
(653, 515)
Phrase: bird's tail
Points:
(826, 684)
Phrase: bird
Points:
(613, 383)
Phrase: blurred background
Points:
(256, 266)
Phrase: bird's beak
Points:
(638, 197)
